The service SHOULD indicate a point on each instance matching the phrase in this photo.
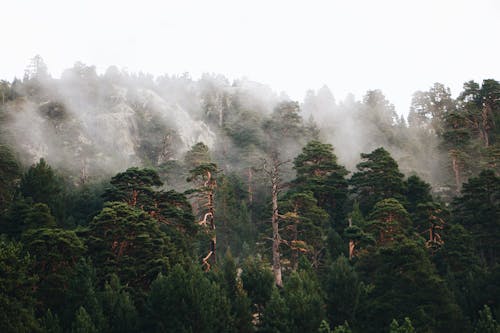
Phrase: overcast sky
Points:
(397, 46)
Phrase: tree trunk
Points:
(351, 243)
(456, 171)
(250, 189)
(276, 235)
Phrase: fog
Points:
(91, 125)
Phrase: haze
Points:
(351, 46)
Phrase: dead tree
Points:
(205, 174)
(272, 170)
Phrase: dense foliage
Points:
(165, 233)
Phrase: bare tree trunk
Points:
(274, 174)
(276, 235)
(209, 222)
(456, 171)
(351, 243)
(250, 189)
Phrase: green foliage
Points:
(389, 221)
(342, 291)
(258, 281)
(234, 227)
(417, 192)
(50, 323)
(304, 299)
(406, 327)
(83, 323)
(403, 282)
(197, 155)
(118, 308)
(478, 210)
(9, 174)
(126, 241)
(56, 252)
(240, 303)
(23, 215)
(486, 322)
(378, 178)
(135, 187)
(304, 227)
(82, 293)
(318, 172)
(187, 301)
(275, 317)
(17, 284)
(42, 184)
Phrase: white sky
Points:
(397, 46)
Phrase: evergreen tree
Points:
(17, 284)
(342, 292)
(43, 185)
(378, 178)
(389, 221)
(258, 282)
(486, 322)
(304, 227)
(406, 327)
(304, 300)
(318, 172)
(187, 301)
(83, 323)
(126, 241)
(275, 317)
(118, 308)
(478, 210)
(56, 253)
(401, 281)
(9, 175)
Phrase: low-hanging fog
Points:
(92, 125)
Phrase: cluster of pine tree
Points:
(264, 232)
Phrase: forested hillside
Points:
(133, 203)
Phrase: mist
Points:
(92, 125)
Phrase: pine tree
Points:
(318, 172)
(378, 178)
(486, 322)
(342, 292)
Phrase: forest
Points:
(133, 203)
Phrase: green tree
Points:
(304, 299)
(83, 323)
(42, 184)
(406, 327)
(126, 241)
(486, 322)
(135, 187)
(318, 171)
(9, 175)
(428, 108)
(198, 154)
(401, 281)
(17, 284)
(50, 323)
(258, 282)
(388, 221)
(82, 292)
(241, 304)
(377, 178)
(342, 291)
(187, 301)
(275, 317)
(118, 308)
(56, 253)
(304, 227)
(478, 210)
